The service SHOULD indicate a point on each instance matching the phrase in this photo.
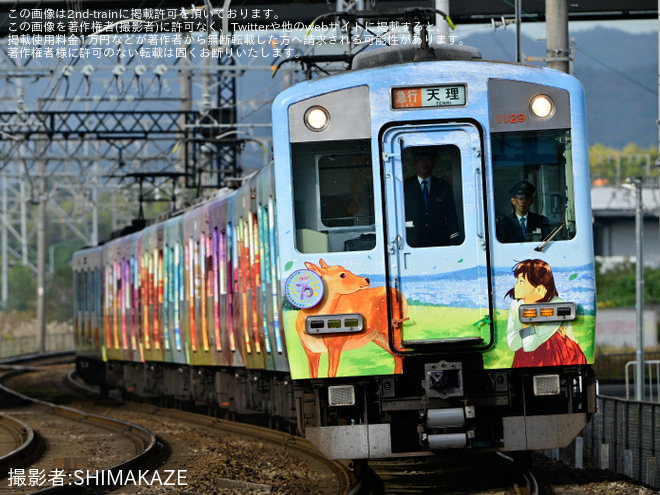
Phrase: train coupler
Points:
(443, 379)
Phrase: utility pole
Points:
(41, 258)
(639, 234)
(556, 25)
(441, 25)
(5, 244)
(518, 30)
(657, 161)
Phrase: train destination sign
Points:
(435, 96)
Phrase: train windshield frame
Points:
(542, 159)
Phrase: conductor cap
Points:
(522, 188)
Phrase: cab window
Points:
(533, 180)
(333, 196)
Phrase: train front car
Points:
(419, 313)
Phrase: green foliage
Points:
(63, 252)
(59, 295)
(609, 165)
(616, 288)
(22, 293)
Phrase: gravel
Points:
(555, 478)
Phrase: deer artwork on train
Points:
(345, 293)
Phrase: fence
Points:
(611, 367)
(623, 436)
(652, 374)
(16, 346)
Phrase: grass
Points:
(427, 322)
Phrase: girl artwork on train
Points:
(543, 344)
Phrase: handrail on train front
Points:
(651, 365)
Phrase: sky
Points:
(633, 27)
(537, 30)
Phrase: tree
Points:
(22, 294)
(59, 295)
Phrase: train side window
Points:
(149, 299)
(274, 258)
(158, 295)
(191, 266)
(107, 303)
(116, 303)
(83, 291)
(533, 178)
(125, 302)
(96, 291)
(98, 300)
(214, 247)
(261, 219)
(231, 250)
(118, 307)
(204, 287)
(135, 302)
(333, 193)
(167, 262)
(242, 281)
(178, 294)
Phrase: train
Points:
(413, 272)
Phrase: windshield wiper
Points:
(551, 236)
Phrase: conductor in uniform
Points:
(522, 223)
(431, 218)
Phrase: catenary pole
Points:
(639, 237)
(657, 160)
(41, 258)
(556, 26)
(518, 30)
(5, 244)
(441, 26)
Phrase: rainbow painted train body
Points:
(321, 293)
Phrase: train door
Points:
(436, 236)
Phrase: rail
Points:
(147, 445)
(342, 472)
(28, 448)
(653, 373)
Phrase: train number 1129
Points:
(510, 119)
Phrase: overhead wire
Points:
(591, 55)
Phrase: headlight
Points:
(317, 119)
(542, 107)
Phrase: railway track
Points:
(193, 443)
(453, 472)
(18, 444)
(333, 477)
(62, 466)
(447, 474)
(180, 432)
